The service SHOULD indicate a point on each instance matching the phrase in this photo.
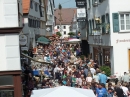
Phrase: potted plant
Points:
(58, 33)
(71, 34)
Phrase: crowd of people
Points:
(67, 67)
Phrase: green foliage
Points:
(58, 33)
(60, 7)
(106, 69)
(71, 33)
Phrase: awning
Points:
(34, 59)
(43, 40)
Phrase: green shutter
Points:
(115, 17)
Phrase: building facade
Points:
(65, 29)
(66, 22)
(34, 21)
(108, 24)
(43, 18)
(50, 7)
(10, 27)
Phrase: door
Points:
(129, 58)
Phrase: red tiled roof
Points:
(26, 6)
(67, 15)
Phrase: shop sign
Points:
(81, 13)
(123, 40)
(80, 3)
(81, 20)
(23, 39)
(97, 40)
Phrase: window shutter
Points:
(115, 17)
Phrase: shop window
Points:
(106, 56)
(95, 54)
(7, 93)
(6, 80)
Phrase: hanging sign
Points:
(23, 39)
(81, 13)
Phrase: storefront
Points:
(10, 84)
(101, 55)
(106, 56)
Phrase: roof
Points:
(67, 15)
(26, 6)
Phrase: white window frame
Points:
(124, 22)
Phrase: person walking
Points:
(102, 78)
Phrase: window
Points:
(90, 27)
(93, 23)
(125, 22)
(100, 1)
(31, 4)
(64, 27)
(57, 27)
(107, 18)
(64, 32)
(36, 7)
(89, 3)
(103, 23)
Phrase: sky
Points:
(65, 3)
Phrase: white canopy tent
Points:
(73, 41)
(63, 91)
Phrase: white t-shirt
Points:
(55, 70)
(92, 70)
(125, 89)
(89, 79)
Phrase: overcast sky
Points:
(65, 3)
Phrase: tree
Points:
(71, 33)
(58, 33)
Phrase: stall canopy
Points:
(63, 91)
(43, 40)
(43, 62)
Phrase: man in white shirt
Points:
(93, 71)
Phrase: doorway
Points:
(129, 58)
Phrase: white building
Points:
(110, 42)
(74, 23)
(50, 7)
(65, 29)
(67, 16)
(10, 65)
